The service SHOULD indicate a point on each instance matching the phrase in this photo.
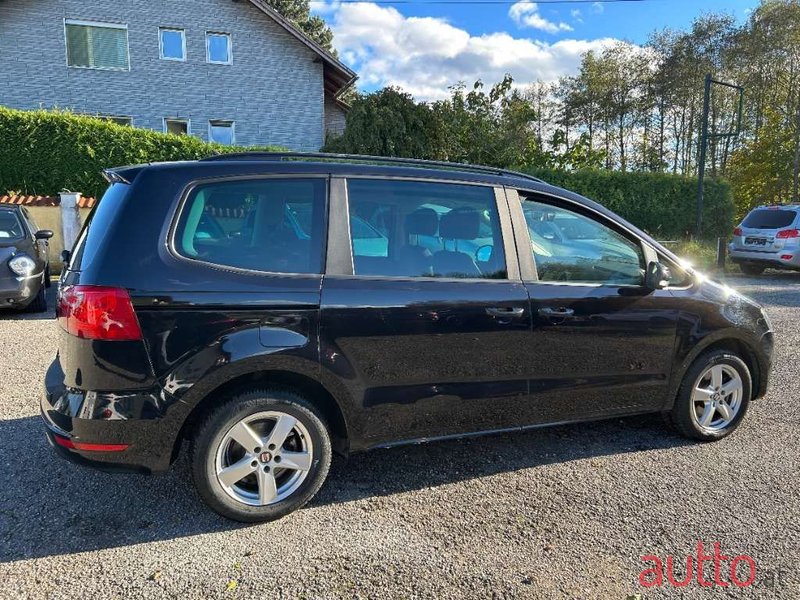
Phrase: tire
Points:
(698, 411)
(751, 269)
(214, 447)
(39, 303)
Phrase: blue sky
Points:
(424, 48)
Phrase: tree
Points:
(299, 13)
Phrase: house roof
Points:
(338, 76)
(23, 200)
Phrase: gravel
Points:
(553, 513)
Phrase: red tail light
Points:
(97, 313)
(737, 231)
(788, 233)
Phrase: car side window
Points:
(574, 248)
(273, 225)
(424, 229)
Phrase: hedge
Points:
(44, 152)
(662, 204)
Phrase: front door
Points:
(426, 329)
(601, 343)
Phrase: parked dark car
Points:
(270, 309)
(24, 254)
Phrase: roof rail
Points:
(365, 158)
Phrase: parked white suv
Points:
(769, 237)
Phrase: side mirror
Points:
(43, 234)
(657, 276)
(65, 256)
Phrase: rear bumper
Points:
(76, 420)
(770, 259)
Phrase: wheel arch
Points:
(731, 341)
(312, 390)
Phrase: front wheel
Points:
(751, 269)
(713, 397)
(261, 455)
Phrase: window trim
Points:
(161, 44)
(529, 270)
(208, 48)
(177, 119)
(233, 130)
(340, 257)
(85, 23)
(171, 234)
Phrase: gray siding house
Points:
(233, 71)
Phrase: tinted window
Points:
(767, 218)
(571, 247)
(95, 229)
(273, 225)
(421, 229)
(10, 226)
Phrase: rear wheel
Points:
(751, 269)
(261, 455)
(713, 397)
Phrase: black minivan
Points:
(270, 309)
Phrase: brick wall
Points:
(273, 90)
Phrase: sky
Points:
(424, 46)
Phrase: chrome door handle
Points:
(505, 311)
(556, 312)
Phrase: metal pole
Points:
(701, 166)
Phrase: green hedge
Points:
(44, 152)
(664, 205)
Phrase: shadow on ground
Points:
(52, 507)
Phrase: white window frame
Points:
(161, 43)
(233, 129)
(97, 24)
(178, 120)
(208, 48)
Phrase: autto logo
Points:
(706, 570)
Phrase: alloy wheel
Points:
(717, 397)
(264, 458)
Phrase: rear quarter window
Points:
(769, 218)
(266, 225)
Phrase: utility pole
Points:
(704, 136)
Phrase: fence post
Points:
(70, 218)
(721, 249)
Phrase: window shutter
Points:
(97, 47)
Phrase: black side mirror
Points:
(43, 234)
(65, 256)
(657, 276)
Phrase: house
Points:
(231, 71)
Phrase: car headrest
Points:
(423, 221)
(460, 225)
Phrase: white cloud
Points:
(597, 8)
(526, 14)
(576, 14)
(425, 55)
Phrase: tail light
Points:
(737, 231)
(97, 313)
(788, 233)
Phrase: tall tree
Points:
(299, 13)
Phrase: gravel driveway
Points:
(561, 512)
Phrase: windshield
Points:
(769, 218)
(10, 226)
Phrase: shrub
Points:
(43, 152)
(662, 204)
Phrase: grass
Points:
(702, 254)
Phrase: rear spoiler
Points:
(122, 174)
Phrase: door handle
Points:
(556, 312)
(505, 311)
